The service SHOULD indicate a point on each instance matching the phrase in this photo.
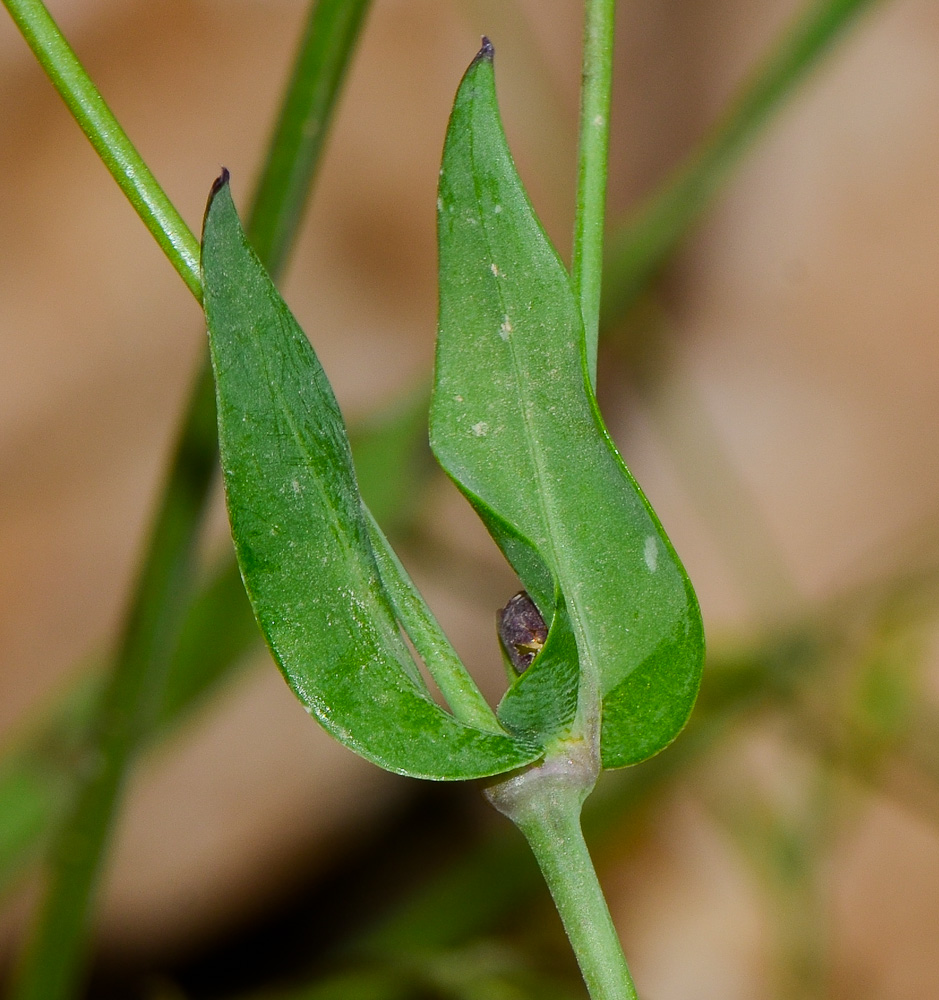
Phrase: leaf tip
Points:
(219, 184)
(486, 52)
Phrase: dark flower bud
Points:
(522, 630)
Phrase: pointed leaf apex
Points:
(486, 52)
(221, 181)
(219, 184)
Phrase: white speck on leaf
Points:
(496, 209)
(598, 121)
(494, 269)
(480, 429)
(296, 487)
(506, 328)
(651, 553)
(440, 204)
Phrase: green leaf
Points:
(301, 533)
(433, 647)
(515, 423)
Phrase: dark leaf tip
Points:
(486, 52)
(218, 184)
(221, 181)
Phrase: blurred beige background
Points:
(803, 317)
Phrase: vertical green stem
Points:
(55, 954)
(545, 802)
(587, 262)
(557, 842)
(302, 125)
(110, 141)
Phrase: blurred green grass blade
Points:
(484, 971)
(393, 459)
(44, 765)
(217, 634)
(643, 243)
(491, 970)
(383, 982)
(38, 776)
(54, 955)
(41, 768)
(302, 537)
(306, 114)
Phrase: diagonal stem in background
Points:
(109, 140)
(55, 956)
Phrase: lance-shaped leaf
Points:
(515, 424)
(301, 533)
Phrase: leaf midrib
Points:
(536, 454)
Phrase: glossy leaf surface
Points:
(301, 534)
(515, 424)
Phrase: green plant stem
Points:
(593, 155)
(545, 802)
(643, 244)
(54, 958)
(110, 141)
(302, 125)
(556, 840)
(41, 768)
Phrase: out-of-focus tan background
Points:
(787, 439)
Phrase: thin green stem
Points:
(319, 69)
(110, 141)
(556, 840)
(545, 802)
(587, 259)
(55, 955)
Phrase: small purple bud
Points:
(522, 630)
